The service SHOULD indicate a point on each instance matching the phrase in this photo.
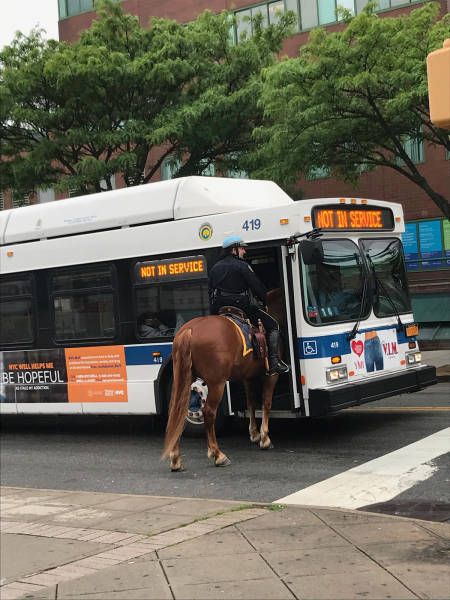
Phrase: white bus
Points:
(81, 278)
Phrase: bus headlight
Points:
(412, 358)
(337, 374)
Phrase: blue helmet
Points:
(233, 241)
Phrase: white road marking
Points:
(378, 480)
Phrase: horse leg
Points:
(176, 464)
(252, 426)
(267, 392)
(215, 393)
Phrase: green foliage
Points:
(123, 98)
(350, 100)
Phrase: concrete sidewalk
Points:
(439, 359)
(61, 544)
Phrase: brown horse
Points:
(212, 348)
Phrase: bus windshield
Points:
(385, 260)
(333, 289)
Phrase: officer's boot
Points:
(276, 365)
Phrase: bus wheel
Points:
(194, 425)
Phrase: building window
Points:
(276, 9)
(170, 167)
(46, 195)
(319, 173)
(2, 201)
(19, 199)
(83, 303)
(327, 11)
(16, 310)
(69, 8)
(413, 147)
(310, 13)
(243, 24)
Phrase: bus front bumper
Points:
(331, 400)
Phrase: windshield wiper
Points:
(378, 281)
(354, 331)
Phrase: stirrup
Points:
(279, 368)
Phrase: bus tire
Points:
(192, 428)
(195, 429)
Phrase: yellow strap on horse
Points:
(245, 349)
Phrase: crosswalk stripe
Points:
(377, 480)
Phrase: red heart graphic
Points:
(357, 347)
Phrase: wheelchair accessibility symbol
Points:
(309, 347)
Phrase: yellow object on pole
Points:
(438, 70)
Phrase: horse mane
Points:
(275, 305)
(182, 380)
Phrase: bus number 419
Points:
(252, 224)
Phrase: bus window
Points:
(83, 303)
(169, 305)
(16, 311)
(391, 295)
(332, 289)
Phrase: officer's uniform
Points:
(232, 282)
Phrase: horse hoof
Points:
(255, 439)
(223, 462)
(265, 446)
(177, 468)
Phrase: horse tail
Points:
(179, 398)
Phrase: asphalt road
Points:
(123, 455)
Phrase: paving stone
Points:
(23, 554)
(314, 561)
(207, 569)
(86, 517)
(46, 593)
(30, 512)
(284, 538)
(21, 590)
(147, 522)
(263, 589)
(399, 531)
(119, 582)
(440, 529)
(287, 517)
(198, 508)
(351, 517)
(375, 584)
(426, 580)
(220, 543)
(88, 498)
(435, 552)
(136, 503)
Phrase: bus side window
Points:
(17, 321)
(172, 304)
(83, 302)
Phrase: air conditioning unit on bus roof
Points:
(182, 198)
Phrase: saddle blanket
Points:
(245, 331)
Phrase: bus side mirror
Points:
(311, 252)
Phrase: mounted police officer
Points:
(232, 282)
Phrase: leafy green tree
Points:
(351, 99)
(123, 98)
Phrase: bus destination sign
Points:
(171, 269)
(337, 217)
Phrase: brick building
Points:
(427, 243)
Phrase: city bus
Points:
(94, 288)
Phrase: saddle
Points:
(254, 337)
